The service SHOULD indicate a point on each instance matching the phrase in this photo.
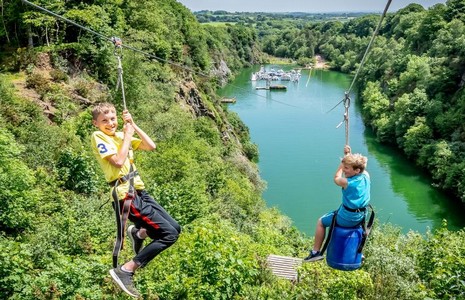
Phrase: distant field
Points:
(224, 17)
(280, 60)
(219, 23)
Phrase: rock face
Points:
(221, 71)
(189, 94)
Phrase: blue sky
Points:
(302, 5)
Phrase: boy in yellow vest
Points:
(113, 150)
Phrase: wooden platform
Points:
(284, 266)
(228, 100)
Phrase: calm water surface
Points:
(300, 149)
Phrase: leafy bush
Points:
(184, 201)
(18, 197)
(77, 172)
(318, 281)
(82, 88)
(16, 266)
(211, 260)
(58, 75)
(38, 82)
(391, 260)
(442, 263)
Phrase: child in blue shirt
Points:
(354, 180)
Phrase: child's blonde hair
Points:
(356, 161)
(102, 108)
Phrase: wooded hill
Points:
(411, 85)
(55, 235)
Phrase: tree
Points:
(416, 75)
(417, 136)
(406, 109)
(375, 104)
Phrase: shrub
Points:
(77, 172)
(211, 260)
(16, 266)
(82, 88)
(38, 82)
(58, 75)
(391, 261)
(18, 196)
(442, 263)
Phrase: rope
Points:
(119, 54)
(346, 99)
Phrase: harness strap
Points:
(367, 229)
(330, 233)
(354, 209)
(125, 178)
(122, 214)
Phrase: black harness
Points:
(366, 227)
(355, 209)
(122, 212)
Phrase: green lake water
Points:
(300, 149)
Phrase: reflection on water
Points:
(425, 202)
(300, 149)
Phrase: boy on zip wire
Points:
(354, 180)
(113, 150)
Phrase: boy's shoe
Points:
(137, 243)
(314, 256)
(124, 280)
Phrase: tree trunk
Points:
(46, 36)
(3, 21)
(30, 43)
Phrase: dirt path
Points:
(320, 63)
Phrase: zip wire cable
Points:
(346, 99)
(111, 39)
(369, 45)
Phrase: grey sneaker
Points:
(137, 243)
(314, 256)
(124, 280)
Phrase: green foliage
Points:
(442, 264)
(17, 266)
(417, 136)
(38, 82)
(322, 282)
(185, 202)
(76, 172)
(65, 279)
(18, 198)
(58, 75)
(205, 264)
(391, 262)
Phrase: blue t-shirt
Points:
(356, 195)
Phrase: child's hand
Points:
(347, 149)
(127, 118)
(128, 129)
